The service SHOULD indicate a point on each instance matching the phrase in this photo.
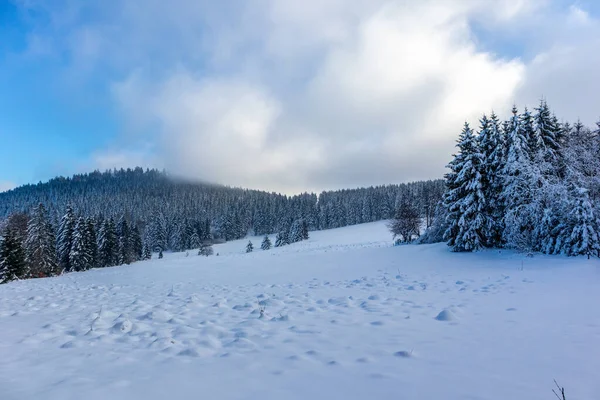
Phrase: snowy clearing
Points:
(345, 316)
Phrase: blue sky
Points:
(278, 95)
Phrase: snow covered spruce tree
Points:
(206, 250)
(64, 239)
(12, 257)
(80, 255)
(266, 243)
(492, 143)
(249, 247)
(304, 229)
(123, 232)
(580, 235)
(464, 199)
(158, 233)
(135, 242)
(282, 238)
(195, 240)
(520, 188)
(40, 245)
(91, 242)
(107, 244)
(549, 137)
(146, 252)
(295, 233)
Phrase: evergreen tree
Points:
(158, 233)
(124, 242)
(304, 230)
(295, 232)
(206, 232)
(266, 243)
(492, 145)
(581, 235)
(205, 249)
(64, 239)
(281, 239)
(249, 247)
(108, 244)
(531, 135)
(518, 194)
(40, 245)
(79, 256)
(195, 241)
(547, 231)
(465, 201)
(146, 252)
(12, 257)
(91, 243)
(548, 132)
(135, 244)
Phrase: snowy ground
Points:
(346, 316)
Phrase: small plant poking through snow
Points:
(560, 395)
(205, 250)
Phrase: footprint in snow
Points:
(404, 354)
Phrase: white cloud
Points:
(385, 90)
(565, 73)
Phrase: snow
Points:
(343, 315)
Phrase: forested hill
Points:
(145, 196)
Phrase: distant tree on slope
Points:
(266, 243)
(205, 250)
(406, 222)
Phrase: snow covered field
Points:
(346, 316)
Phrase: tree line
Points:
(118, 217)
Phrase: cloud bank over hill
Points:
(293, 96)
